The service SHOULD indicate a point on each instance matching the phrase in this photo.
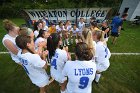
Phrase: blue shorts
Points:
(114, 34)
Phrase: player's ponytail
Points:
(52, 43)
(83, 52)
(99, 34)
(8, 25)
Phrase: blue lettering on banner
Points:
(71, 14)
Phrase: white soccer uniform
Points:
(39, 40)
(94, 46)
(81, 26)
(36, 33)
(33, 65)
(69, 27)
(80, 76)
(75, 31)
(102, 55)
(12, 39)
(57, 65)
(58, 29)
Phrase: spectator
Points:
(116, 27)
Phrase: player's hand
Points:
(40, 44)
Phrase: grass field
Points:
(121, 77)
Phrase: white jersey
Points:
(102, 55)
(69, 27)
(94, 46)
(81, 26)
(33, 65)
(12, 39)
(46, 28)
(75, 31)
(58, 29)
(57, 64)
(80, 76)
(39, 40)
(36, 33)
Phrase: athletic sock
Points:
(97, 77)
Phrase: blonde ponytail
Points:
(8, 25)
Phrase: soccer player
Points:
(106, 30)
(81, 25)
(26, 31)
(102, 54)
(32, 63)
(75, 30)
(9, 39)
(116, 27)
(80, 72)
(87, 38)
(58, 58)
(37, 26)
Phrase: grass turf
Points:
(121, 77)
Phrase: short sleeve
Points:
(65, 70)
(97, 51)
(37, 61)
(77, 30)
(36, 33)
(64, 55)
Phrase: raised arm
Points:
(10, 46)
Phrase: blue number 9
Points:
(53, 63)
(83, 82)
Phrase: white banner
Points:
(68, 14)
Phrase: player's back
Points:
(33, 65)
(80, 76)
(57, 63)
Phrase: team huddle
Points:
(35, 49)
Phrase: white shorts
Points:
(59, 78)
(43, 84)
(102, 67)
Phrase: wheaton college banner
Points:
(67, 14)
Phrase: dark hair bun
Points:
(83, 52)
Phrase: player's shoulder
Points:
(6, 37)
(60, 51)
(100, 43)
(70, 63)
(40, 39)
(32, 56)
